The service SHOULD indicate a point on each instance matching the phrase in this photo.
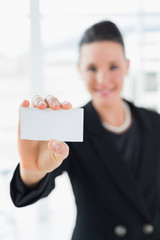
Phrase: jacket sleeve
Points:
(22, 195)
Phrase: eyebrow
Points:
(95, 63)
(113, 62)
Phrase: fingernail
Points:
(65, 102)
(55, 146)
(55, 104)
(41, 103)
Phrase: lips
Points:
(105, 92)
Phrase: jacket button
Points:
(148, 229)
(120, 230)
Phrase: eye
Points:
(113, 67)
(92, 68)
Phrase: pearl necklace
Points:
(126, 123)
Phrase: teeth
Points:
(105, 91)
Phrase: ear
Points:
(127, 66)
(79, 68)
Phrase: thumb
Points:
(59, 150)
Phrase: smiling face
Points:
(103, 67)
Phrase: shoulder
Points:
(145, 111)
(146, 116)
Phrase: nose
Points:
(103, 77)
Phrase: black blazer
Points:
(111, 203)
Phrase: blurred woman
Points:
(115, 172)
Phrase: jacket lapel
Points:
(117, 167)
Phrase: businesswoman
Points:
(115, 172)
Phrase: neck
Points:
(113, 114)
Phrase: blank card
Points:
(47, 124)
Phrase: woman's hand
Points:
(37, 158)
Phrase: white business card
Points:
(47, 124)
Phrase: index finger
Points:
(39, 102)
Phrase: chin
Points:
(105, 101)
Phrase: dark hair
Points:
(102, 31)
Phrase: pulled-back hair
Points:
(102, 31)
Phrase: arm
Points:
(22, 195)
